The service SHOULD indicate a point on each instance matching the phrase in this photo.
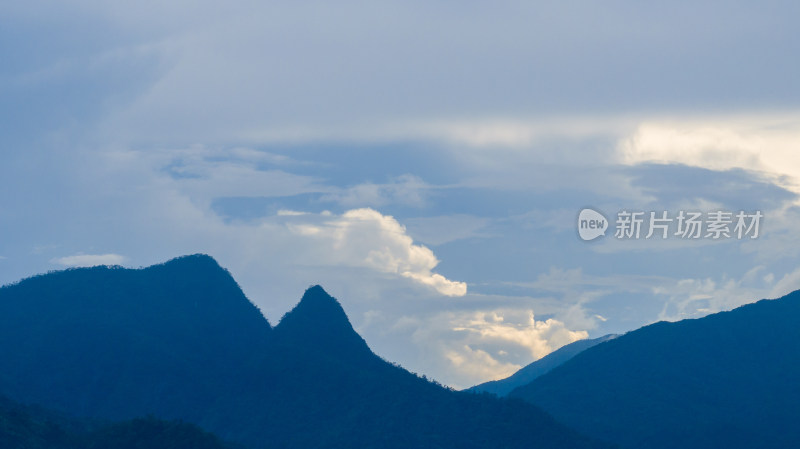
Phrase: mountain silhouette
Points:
(530, 372)
(180, 341)
(319, 323)
(726, 380)
(121, 343)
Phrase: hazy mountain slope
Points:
(726, 380)
(530, 372)
(180, 340)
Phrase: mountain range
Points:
(161, 356)
(180, 341)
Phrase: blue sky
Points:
(424, 162)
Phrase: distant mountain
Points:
(25, 427)
(530, 372)
(181, 341)
(729, 380)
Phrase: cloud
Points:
(406, 190)
(473, 346)
(214, 76)
(205, 173)
(212, 63)
(446, 228)
(518, 327)
(89, 260)
(480, 364)
(291, 213)
(367, 238)
(697, 297)
(765, 144)
(787, 284)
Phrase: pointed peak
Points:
(318, 296)
(320, 320)
(316, 290)
(318, 308)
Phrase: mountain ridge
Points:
(181, 341)
(724, 380)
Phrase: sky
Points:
(425, 162)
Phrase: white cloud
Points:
(89, 260)
(367, 238)
(518, 327)
(474, 346)
(762, 143)
(694, 298)
(519, 133)
(787, 284)
(290, 213)
(480, 364)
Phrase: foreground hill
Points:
(181, 341)
(727, 380)
(25, 427)
(532, 371)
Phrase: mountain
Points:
(320, 324)
(121, 343)
(530, 372)
(181, 341)
(726, 380)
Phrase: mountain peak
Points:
(316, 296)
(319, 306)
(318, 320)
(193, 261)
(317, 290)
